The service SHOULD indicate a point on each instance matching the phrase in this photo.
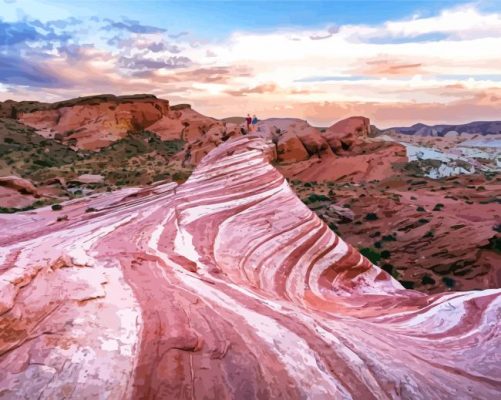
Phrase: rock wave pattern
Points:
(225, 287)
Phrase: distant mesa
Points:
(477, 127)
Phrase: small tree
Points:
(13, 112)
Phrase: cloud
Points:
(132, 26)
(18, 32)
(390, 67)
(330, 31)
(18, 71)
(260, 89)
(178, 35)
(161, 46)
(141, 63)
(398, 71)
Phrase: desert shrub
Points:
(372, 255)
(56, 207)
(427, 280)
(375, 234)
(371, 217)
(333, 227)
(389, 238)
(407, 284)
(423, 221)
(313, 197)
(429, 234)
(391, 270)
(43, 162)
(378, 245)
(180, 176)
(385, 254)
(438, 207)
(449, 282)
(495, 244)
(90, 209)
(420, 209)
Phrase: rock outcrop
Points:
(96, 121)
(224, 287)
(16, 192)
(291, 149)
(347, 133)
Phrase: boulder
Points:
(19, 184)
(345, 134)
(88, 179)
(290, 149)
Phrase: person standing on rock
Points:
(254, 122)
(248, 121)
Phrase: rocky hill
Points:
(391, 198)
(226, 286)
(477, 127)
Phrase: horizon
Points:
(397, 63)
(275, 116)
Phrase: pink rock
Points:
(19, 184)
(88, 178)
(226, 286)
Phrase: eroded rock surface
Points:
(224, 287)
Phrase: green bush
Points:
(180, 176)
(314, 197)
(427, 280)
(389, 238)
(385, 254)
(372, 255)
(449, 282)
(333, 227)
(391, 270)
(371, 217)
(438, 207)
(407, 284)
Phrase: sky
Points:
(397, 62)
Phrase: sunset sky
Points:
(397, 62)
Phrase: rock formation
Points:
(96, 121)
(17, 192)
(224, 287)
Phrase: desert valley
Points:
(250, 200)
(150, 251)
